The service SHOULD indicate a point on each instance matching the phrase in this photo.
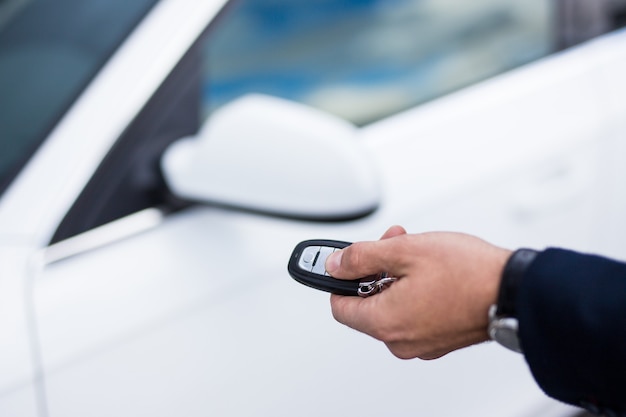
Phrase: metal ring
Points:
(367, 288)
(373, 287)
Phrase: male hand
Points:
(446, 283)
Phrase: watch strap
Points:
(512, 276)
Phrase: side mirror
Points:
(271, 155)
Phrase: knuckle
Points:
(400, 351)
(336, 308)
(407, 351)
(386, 332)
(336, 313)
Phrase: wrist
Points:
(503, 323)
(487, 293)
(512, 276)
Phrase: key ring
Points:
(369, 288)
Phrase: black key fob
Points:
(307, 266)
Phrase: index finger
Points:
(362, 314)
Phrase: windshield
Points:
(49, 51)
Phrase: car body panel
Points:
(16, 280)
(156, 320)
(23, 402)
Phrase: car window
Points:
(49, 50)
(367, 59)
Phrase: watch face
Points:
(504, 331)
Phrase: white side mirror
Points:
(268, 154)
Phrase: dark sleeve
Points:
(572, 327)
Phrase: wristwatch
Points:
(503, 324)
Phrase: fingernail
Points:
(333, 261)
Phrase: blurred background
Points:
(367, 59)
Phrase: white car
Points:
(143, 260)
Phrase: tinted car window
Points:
(49, 50)
(366, 59)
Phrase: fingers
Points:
(362, 259)
(355, 312)
(393, 231)
(344, 308)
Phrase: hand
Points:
(446, 283)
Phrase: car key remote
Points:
(307, 266)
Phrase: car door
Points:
(176, 308)
(73, 75)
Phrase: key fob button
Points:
(320, 263)
(307, 257)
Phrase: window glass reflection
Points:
(366, 59)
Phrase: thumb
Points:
(334, 261)
(362, 259)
